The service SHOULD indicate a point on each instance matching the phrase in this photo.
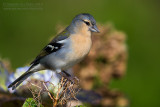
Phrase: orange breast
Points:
(80, 46)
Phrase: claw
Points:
(73, 80)
(70, 78)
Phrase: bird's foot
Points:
(72, 79)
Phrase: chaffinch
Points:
(65, 50)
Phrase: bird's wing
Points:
(53, 46)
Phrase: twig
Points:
(62, 94)
(52, 97)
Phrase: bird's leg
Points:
(67, 74)
(70, 78)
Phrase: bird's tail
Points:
(19, 80)
(34, 68)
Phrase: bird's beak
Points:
(94, 29)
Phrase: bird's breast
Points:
(80, 47)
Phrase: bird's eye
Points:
(87, 23)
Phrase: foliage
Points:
(30, 102)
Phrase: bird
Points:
(65, 50)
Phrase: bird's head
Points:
(84, 23)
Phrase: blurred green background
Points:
(27, 25)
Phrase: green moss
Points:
(30, 102)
